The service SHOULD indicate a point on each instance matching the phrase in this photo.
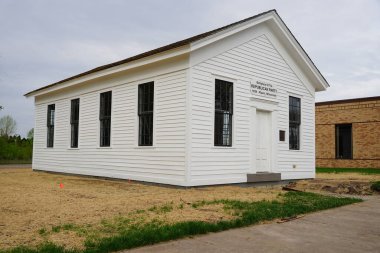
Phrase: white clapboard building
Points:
(232, 105)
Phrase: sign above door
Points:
(263, 89)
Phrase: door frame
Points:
(268, 123)
(272, 107)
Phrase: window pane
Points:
(105, 132)
(343, 141)
(74, 135)
(146, 130)
(223, 95)
(294, 132)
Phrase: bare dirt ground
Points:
(36, 207)
(340, 183)
(32, 204)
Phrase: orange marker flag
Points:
(61, 185)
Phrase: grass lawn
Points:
(15, 161)
(43, 212)
(349, 170)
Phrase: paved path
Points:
(353, 228)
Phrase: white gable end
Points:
(252, 54)
(183, 150)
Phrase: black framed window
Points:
(294, 122)
(145, 113)
(50, 125)
(105, 118)
(74, 123)
(223, 113)
(343, 141)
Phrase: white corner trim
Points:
(188, 137)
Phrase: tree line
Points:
(13, 148)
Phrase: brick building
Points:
(348, 133)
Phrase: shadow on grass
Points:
(247, 213)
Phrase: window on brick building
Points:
(343, 141)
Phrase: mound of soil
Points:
(332, 186)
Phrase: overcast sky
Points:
(43, 41)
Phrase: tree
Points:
(30, 134)
(7, 126)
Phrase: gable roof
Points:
(175, 45)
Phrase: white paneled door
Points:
(263, 140)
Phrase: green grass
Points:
(246, 213)
(349, 170)
(15, 161)
(162, 209)
(375, 186)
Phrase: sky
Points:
(44, 41)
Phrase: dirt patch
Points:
(342, 183)
(34, 203)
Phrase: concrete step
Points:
(263, 177)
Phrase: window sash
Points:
(105, 105)
(145, 98)
(145, 113)
(105, 132)
(74, 135)
(294, 136)
(223, 129)
(146, 129)
(223, 113)
(223, 96)
(50, 136)
(50, 115)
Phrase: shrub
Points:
(375, 186)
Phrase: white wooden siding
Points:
(183, 151)
(162, 163)
(256, 57)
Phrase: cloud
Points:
(44, 41)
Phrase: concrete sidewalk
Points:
(353, 228)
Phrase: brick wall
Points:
(364, 115)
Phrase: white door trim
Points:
(270, 106)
